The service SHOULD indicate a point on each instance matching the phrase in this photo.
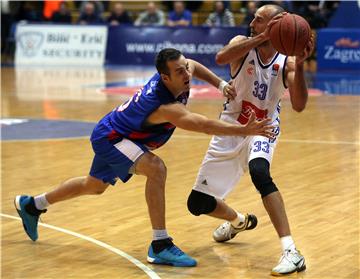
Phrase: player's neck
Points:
(266, 53)
(172, 90)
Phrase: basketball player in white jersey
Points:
(260, 76)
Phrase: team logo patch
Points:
(246, 109)
(275, 69)
(250, 71)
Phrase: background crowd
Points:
(158, 13)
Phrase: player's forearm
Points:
(235, 51)
(218, 127)
(203, 73)
(299, 95)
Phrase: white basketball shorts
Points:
(227, 159)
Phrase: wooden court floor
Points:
(316, 167)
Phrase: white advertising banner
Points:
(60, 45)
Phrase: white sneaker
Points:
(227, 231)
(290, 261)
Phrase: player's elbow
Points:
(219, 58)
(299, 108)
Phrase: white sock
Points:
(41, 202)
(238, 220)
(287, 243)
(160, 234)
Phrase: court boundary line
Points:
(152, 274)
(195, 137)
(281, 140)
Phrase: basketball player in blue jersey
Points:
(123, 140)
(260, 76)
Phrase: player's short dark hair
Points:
(165, 55)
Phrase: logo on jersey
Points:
(250, 71)
(246, 109)
(275, 69)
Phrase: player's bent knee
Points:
(157, 168)
(260, 176)
(200, 203)
(95, 186)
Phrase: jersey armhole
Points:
(242, 63)
(283, 72)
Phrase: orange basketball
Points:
(290, 35)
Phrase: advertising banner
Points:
(138, 45)
(38, 44)
(338, 49)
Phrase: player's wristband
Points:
(222, 85)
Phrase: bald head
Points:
(272, 10)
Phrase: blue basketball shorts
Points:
(114, 160)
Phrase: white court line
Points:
(197, 137)
(281, 140)
(47, 139)
(147, 270)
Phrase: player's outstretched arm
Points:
(203, 73)
(178, 115)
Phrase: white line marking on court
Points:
(47, 139)
(280, 140)
(204, 137)
(147, 270)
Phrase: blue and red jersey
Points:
(129, 119)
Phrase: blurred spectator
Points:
(221, 16)
(179, 16)
(251, 7)
(30, 11)
(190, 5)
(89, 16)
(152, 16)
(286, 5)
(63, 15)
(328, 8)
(99, 6)
(317, 13)
(119, 15)
(50, 6)
(9, 10)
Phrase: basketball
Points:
(290, 35)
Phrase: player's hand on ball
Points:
(271, 23)
(307, 51)
(261, 127)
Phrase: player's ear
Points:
(165, 77)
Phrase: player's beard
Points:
(252, 33)
(265, 44)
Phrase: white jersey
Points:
(259, 87)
